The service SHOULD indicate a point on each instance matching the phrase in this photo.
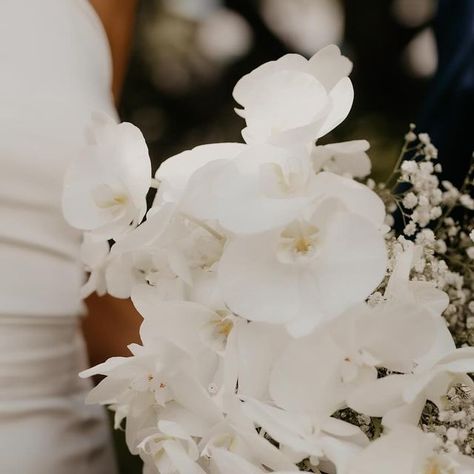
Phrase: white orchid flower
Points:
(259, 346)
(257, 272)
(425, 296)
(131, 271)
(147, 256)
(250, 189)
(174, 173)
(371, 337)
(340, 358)
(105, 188)
(261, 188)
(300, 437)
(400, 398)
(408, 315)
(208, 336)
(134, 386)
(158, 377)
(266, 187)
(94, 255)
(162, 253)
(306, 388)
(192, 326)
(306, 273)
(293, 390)
(169, 449)
(146, 371)
(237, 434)
(295, 100)
(347, 158)
(408, 450)
(227, 462)
(421, 293)
(205, 290)
(134, 261)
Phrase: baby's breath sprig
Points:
(453, 426)
(437, 216)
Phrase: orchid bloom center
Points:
(105, 197)
(279, 181)
(298, 242)
(224, 327)
(216, 330)
(223, 324)
(438, 465)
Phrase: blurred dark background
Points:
(188, 54)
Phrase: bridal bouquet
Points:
(287, 324)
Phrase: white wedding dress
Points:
(55, 69)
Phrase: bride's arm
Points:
(118, 18)
(112, 324)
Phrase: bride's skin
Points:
(118, 18)
(113, 323)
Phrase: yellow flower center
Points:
(298, 241)
(224, 327)
(106, 198)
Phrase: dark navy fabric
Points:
(448, 112)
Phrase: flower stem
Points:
(204, 226)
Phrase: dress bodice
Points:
(55, 71)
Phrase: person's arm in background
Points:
(112, 323)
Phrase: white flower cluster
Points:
(454, 424)
(442, 233)
(442, 249)
(253, 272)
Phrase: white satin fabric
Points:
(55, 70)
(45, 427)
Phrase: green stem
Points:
(405, 149)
